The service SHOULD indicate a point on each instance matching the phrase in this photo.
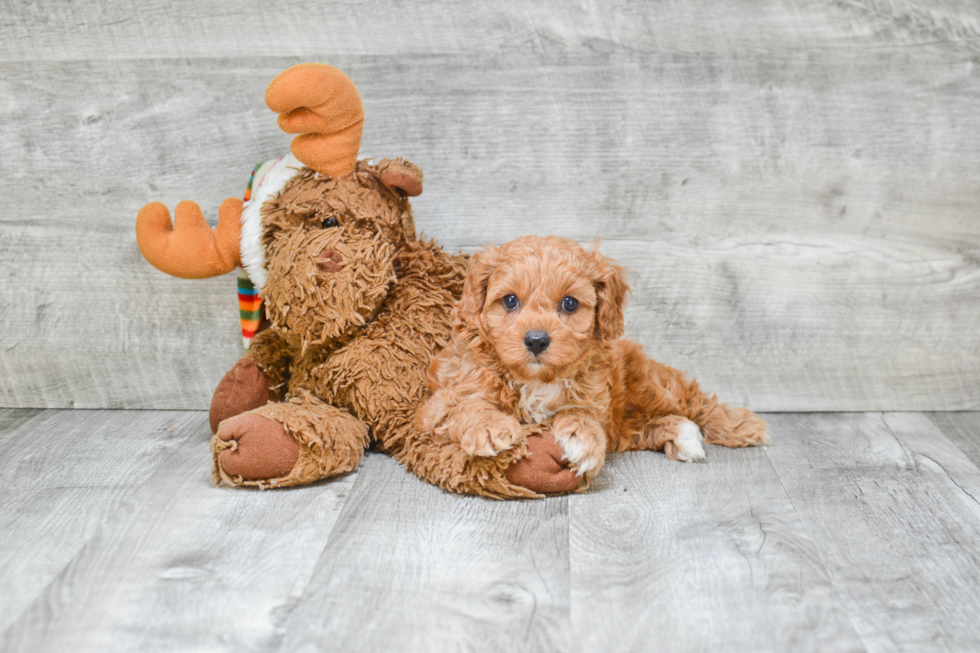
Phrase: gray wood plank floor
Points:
(856, 531)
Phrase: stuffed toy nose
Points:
(330, 260)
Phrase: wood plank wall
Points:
(794, 186)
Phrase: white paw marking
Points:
(575, 453)
(586, 466)
(690, 443)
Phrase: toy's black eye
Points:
(569, 304)
(510, 302)
(329, 222)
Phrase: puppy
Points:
(537, 341)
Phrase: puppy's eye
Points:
(569, 304)
(329, 222)
(510, 302)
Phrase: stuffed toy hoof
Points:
(295, 442)
(242, 389)
(544, 469)
(254, 448)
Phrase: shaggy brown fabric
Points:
(272, 355)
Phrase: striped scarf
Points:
(249, 302)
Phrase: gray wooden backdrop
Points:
(794, 186)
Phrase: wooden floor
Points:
(852, 531)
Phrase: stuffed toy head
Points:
(331, 251)
(322, 253)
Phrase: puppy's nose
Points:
(536, 341)
(330, 261)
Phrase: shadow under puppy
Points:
(537, 354)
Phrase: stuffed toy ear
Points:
(470, 305)
(401, 176)
(611, 290)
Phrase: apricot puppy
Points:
(537, 342)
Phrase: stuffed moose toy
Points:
(353, 304)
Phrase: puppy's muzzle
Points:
(536, 341)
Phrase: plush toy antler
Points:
(314, 100)
(192, 249)
(322, 105)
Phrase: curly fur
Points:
(597, 392)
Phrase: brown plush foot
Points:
(263, 450)
(243, 388)
(543, 469)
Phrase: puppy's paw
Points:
(583, 440)
(494, 433)
(687, 445)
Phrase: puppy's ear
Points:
(611, 290)
(470, 305)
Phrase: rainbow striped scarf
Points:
(249, 307)
(249, 302)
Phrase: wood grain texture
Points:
(963, 430)
(685, 557)
(849, 532)
(62, 474)
(11, 418)
(792, 185)
(933, 450)
(185, 565)
(889, 504)
(782, 280)
(409, 567)
(53, 30)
